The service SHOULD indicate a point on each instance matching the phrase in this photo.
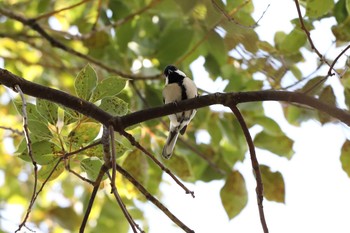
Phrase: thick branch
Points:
(255, 165)
(119, 123)
(237, 97)
(36, 90)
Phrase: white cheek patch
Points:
(181, 73)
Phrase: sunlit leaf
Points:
(92, 167)
(233, 194)
(31, 110)
(85, 82)
(48, 110)
(315, 9)
(39, 129)
(280, 145)
(296, 115)
(314, 86)
(327, 96)
(270, 126)
(84, 133)
(293, 42)
(137, 165)
(65, 217)
(273, 184)
(345, 157)
(110, 218)
(108, 87)
(49, 172)
(114, 106)
(180, 166)
(341, 10)
(44, 152)
(174, 43)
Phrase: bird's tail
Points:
(170, 143)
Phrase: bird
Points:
(177, 87)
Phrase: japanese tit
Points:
(177, 87)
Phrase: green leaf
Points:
(44, 152)
(66, 217)
(85, 82)
(326, 96)
(314, 86)
(84, 133)
(342, 31)
(270, 126)
(318, 8)
(216, 48)
(114, 106)
(347, 5)
(181, 167)
(39, 130)
(341, 10)
(280, 145)
(32, 111)
(292, 42)
(97, 151)
(174, 43)
(46, 170)
(110, 218)
(273, 184)
(345, 157)
(136, 164)
(296, 115)
(233, 194)
(92, 167)
(70, 116)
(108, 87)
(97, 40)
(48, 110)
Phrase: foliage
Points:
(141, 38)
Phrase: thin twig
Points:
(121, 204)
(79, 176)
(49, 14)
(321, 81)
(336, 59)
(308, 35)
(82, 149)
(113, 156)
(109, 156)
(97, 183)
(152, 199)
(97, 16)
(15, 131)
(165, 169)
(255, 164)
(30, 153)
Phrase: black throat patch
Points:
(176, 78)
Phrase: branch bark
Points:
(120, 123)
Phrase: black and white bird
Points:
(177, 87)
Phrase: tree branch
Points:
(154, 200)
(313, 47)
(120, 123)
(255, 164)
(30, 153)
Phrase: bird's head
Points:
(169, 69)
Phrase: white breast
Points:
(172, 93)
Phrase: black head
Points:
(169, 69)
